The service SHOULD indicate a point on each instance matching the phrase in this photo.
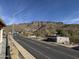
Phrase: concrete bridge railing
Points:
(18, 51)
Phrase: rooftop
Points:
(2, 24)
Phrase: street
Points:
(42, 50)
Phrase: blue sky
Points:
(20, 11)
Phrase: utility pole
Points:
(13, 28)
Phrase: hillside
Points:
(47, 29)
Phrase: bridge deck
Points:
(46, 51)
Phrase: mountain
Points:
(40, 28)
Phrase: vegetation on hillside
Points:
(48, 29)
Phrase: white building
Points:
(63, 40)
(1, 35)
(59, 39)
(2, 42)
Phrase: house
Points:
(1, 30)
(1, 25)
(59, 39)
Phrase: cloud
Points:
(72, 18)
(18, 12)
(8, 20)
(11, 21)
(72, 21)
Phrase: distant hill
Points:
(40, 28)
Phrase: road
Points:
(43, 50)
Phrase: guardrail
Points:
(23, 51)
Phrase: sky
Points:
(25, 11)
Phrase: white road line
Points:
(37, 51)
(55, 50)
(22, 50)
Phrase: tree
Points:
(62, 32)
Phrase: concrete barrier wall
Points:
(2, 45)
(23, 51)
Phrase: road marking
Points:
(59, 51)
(37, 51)
(49, 48)
(55, 50)
(23, 51)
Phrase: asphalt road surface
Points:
(46, 51)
